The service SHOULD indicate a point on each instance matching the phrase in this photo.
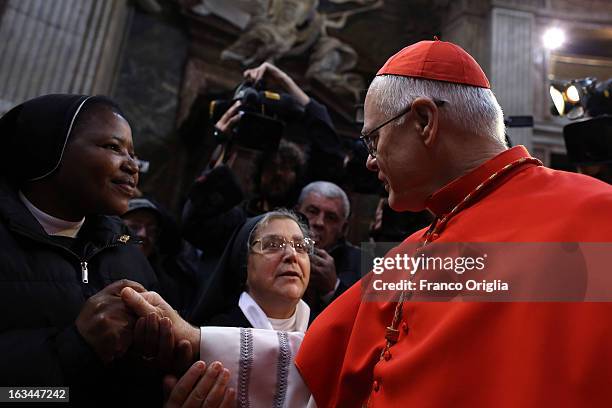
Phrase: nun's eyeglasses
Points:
(273, 244)
(369, 139)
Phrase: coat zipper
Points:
(84, 272)
(84, 269)
(83, 262)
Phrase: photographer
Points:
(307, 122)
(217, 203)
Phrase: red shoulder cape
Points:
(478, 354)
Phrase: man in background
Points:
(336, 264)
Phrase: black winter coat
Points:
(41, 294)
(347, 259)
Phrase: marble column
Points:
(68, 46)
(511, 69)
(499, 35)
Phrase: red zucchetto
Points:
(437, 60)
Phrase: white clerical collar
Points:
(283, 324)
(53, 225)
(258, 319)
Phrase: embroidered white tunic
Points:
(260, 360)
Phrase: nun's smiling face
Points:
(98, 172)
(277, 279)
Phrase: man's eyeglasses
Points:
(272, 244)
(369, 139)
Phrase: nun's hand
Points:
(201, 386)
(155, 346)
(106, 323)
(145, 303)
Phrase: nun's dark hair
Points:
(278, 214)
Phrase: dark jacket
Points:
(233, 317)
(41, 295)
(347, 258)
(348, 262)
(175, 262)
(177, 275)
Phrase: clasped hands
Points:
(123, 318)
(163, 337)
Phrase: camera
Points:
(589, 141)
(264, 113)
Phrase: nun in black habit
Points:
(261, 277)
(67, 169)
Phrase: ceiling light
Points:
(553, 38)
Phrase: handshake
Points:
(123, 318)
